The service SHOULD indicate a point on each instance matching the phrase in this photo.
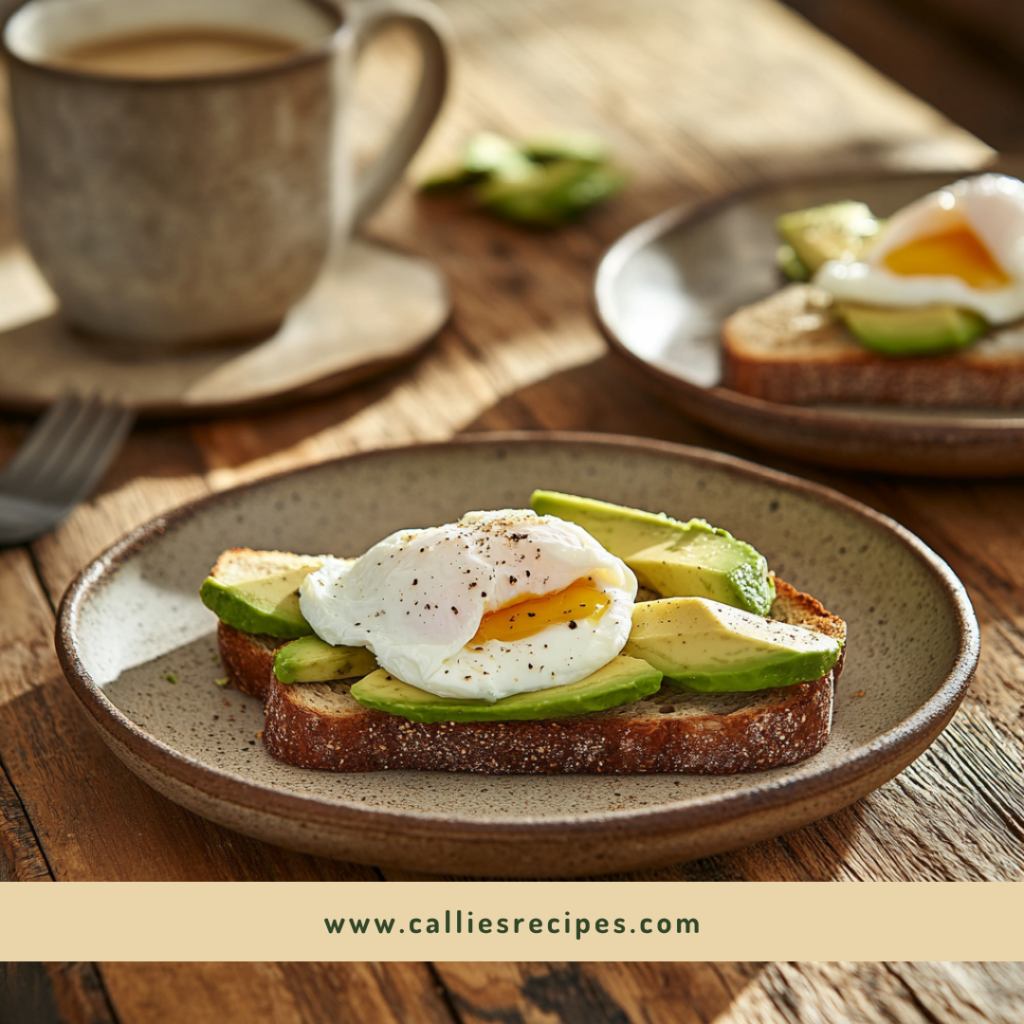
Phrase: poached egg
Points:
(962, 245)
(498, 603)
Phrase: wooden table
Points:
(696, 98)
(686, 993)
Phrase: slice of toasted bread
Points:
(791, 348)
(239, 565)
(319, 725)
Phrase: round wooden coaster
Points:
(370, 310)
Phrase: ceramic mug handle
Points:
(430, 31)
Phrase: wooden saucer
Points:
(370, 310)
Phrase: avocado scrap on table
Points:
(545, 181)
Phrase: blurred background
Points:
(965, 57)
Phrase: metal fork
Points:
(59, 464)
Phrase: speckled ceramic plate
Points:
(664, 288)
(132, 622)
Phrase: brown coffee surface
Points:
(176, 52)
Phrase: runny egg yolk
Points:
(530, 615)
(957, 252)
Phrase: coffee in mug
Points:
(171, 53)
(171, 195)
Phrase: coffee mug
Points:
(182, 168)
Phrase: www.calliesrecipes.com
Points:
(464, 923)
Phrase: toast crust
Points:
(319, 725)
(790, 348)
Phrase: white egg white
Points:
(417, 598)
(990, 205)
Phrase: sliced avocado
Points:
(791, 264)
(312, 660)
(675, 559)
(569, 145)
(712, 648)
(449, 178)
(485, 155)
(834, 231)
(488, 153)
(916, 331)
(621, 681)
(705, 562)
(552, 193)
(268, 605)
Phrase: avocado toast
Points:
(792, 348)
(337, 714)
(922, 309)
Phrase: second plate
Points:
(664, 288)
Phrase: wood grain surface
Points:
(695, 99)
(962, 56)
(512, 993)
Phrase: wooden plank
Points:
(26, 995)
(736, 993)
(79, 994)
(523, 993)
(55, 993)
(979, 993)
(21, 859)
(997, 22)
(201, 993)
(285, 993)
(950, 58)
(401, 992)
(532, 993)
(822, 993)
(23, 651)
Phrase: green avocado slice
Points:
(914, 331)
(267, 605)
(833, 231)
(566, 145)
(621, 681)
(675, 559)
(791, 264)
(553, 193)
(312, 660)
(711, 648)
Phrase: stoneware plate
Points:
(664, 288)
(138, 648)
